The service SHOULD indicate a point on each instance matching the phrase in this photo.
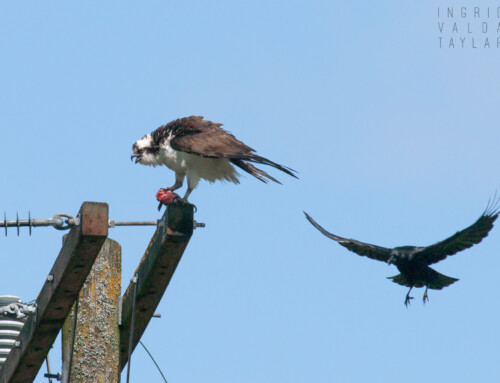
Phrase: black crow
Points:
(413, 261)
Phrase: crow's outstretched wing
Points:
(371, 251)
(462, 239)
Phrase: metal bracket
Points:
(120, 309)
(57, 376)
(18, 310)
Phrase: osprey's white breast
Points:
(171, 158)
(195, 166)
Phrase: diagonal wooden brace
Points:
(68, 274)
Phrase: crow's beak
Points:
(137, 157)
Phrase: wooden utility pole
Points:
(99, 343)
(59, 291)
(95, 354)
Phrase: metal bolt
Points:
(156, 315)
(198, 224)
(53, 376)
(50, 278)
(17, 344)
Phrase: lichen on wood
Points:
(97, 342)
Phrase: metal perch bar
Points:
(64, 221)
(133, 223)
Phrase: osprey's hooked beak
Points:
(137, 157)
(391, 260)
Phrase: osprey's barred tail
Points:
(245, 165)
(436, 280)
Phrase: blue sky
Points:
(395, 140)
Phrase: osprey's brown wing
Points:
(371, 251)
(204, 138)
(462, 239)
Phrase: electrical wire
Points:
(154, 361)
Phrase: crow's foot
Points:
(426, 297)
(407, 300)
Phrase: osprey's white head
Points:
(146, 152)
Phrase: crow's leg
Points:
(408, 298)
(426, 298)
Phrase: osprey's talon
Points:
(186, 202)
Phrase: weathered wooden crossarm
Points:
(154, 273)
(59, 292)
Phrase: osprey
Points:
(196, 148)
(413, 261)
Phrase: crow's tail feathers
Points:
(438, 280)
(400, 279)
(435, 280)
